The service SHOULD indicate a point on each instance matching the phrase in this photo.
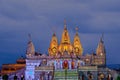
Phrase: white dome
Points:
(30, 48)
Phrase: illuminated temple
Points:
(66, 61)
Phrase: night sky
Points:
(41, 18)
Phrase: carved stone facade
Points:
(74, 48)
(66, 60)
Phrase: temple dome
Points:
(65, 44)
(78, 50)
(30, 48)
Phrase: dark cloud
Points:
(43, 17)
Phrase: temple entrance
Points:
(65, 64)
(73, 65)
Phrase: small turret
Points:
(101, 53)
(101, 48)
(78, 50)
(30, 47)
(53, 49)
(65, 44)
(65, 35)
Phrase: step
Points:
(60, 75)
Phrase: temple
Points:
(65, 60)
(65, 45)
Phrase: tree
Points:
(5, 77)
(15, 77)
(22, 77)
(118, 77)
(65, 73)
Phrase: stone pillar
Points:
(69, 64)
(55, 64)
(61, 66)
(58, 64)
(48, 76)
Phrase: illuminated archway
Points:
(65, 64)
(73, 65)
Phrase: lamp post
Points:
(22, 77)
(65, 73)
(48, 75)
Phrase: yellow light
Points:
(101, 54)
(87, 59)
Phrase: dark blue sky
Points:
(42, 17)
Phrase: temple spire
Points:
(54, 30)
(76, 30)
(65, 44)
(53, 48)
(101, 39)
(101, 52)
(65, 35)
(101, 47)
(54, 34)
(65, 25)
(78, 50)
(30, 47)
(29, 37)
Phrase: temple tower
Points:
(101, 48)
(53, 49)
(30, 48)
(65, 44)
(78, 50)
(100, 52)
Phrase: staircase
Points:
(65, 75)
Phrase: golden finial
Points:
(76, 28)
(65, 27)
(64, 21)
(53, 30)
(29, 35)
(102, 37)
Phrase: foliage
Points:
(118, 77)
(5, 77)
(15, 77)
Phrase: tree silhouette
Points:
(5, 77)
(118, 77)
(15, 77)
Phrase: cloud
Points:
(43, 17)
(89, 14)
